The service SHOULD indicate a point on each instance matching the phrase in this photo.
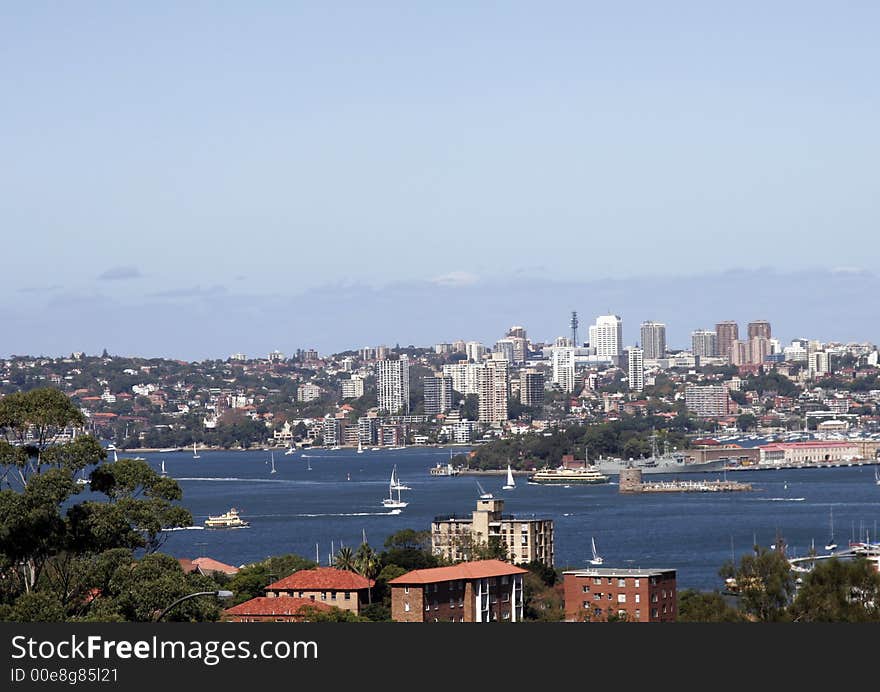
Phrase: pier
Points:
(631, 482)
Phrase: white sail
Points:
(164, 472)
(597, 560)
(511, 484)
(273, 462)
(195, 452)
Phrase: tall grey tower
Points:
(574, 328)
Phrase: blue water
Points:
(295, 508)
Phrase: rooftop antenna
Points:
(574, 328)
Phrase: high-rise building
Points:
(531, 387)
(818, 363)
(517, 332)
(653, 339)
(353, 388)
(759, 349)
(459, 346)
(464, 377)
(606, 336)
(382, 352)
(475, 351)
(727, 332)
(636, 358)
(707, 400)
(563, 368)
(494, 383)
(438, 394)
(759, 328)
(704, 343)
(393, 384)
(275, 357)
(738, 353)
(504, 347)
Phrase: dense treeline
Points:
(629, 437)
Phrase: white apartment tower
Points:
(636, 369)
(494, 379)
(704, 343)
(653, 339)
(563, 368)
(606, 336)
(393, 384)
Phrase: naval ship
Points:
(668, 462)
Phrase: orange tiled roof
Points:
(279, 605)
(322, 578)
(207, 564)
(479, 569)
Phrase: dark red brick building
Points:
(638, 595)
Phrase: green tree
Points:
(746, 421)
(839, 591)
(367, 565)
(697, 606)
(764, 583)
(344, 559)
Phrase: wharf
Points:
(690, 487)
(631, 482)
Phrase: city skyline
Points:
(217, 323)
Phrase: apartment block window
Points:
(323, 595)
(621, 598)
(597, 597)
(610, 581)
(621, 583)
(638, 598)
(610, 596)
(452, 603)
(427, 606)
(638, 614)
(586, 588)
(333, 595)
(637, 581)
(654, 613)
(504, 579)
(348, 595)
(597, 580)
(406, 607)
(654, 598)
(405, 589)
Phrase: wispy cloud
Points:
(121, 273)
(189, 292)
(455, 279)
(39, 289)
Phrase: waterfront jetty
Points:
(631, 482)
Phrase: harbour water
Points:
(296, 508)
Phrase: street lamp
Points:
(218, 594)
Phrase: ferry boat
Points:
(564, 476)
(444, 470)
(227, 520)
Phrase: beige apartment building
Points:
(526, 539)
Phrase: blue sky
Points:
(165, 154)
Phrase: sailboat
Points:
(115, 458)
(290, 450)
(164, 472)
(360, 448)
(876, 475)
(195, 451)
(395, 481)
(389, 502)
(831, 544)
(272, 459)
(308, 464)
(597, 559)
(511, 484)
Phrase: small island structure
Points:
(631, 482)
